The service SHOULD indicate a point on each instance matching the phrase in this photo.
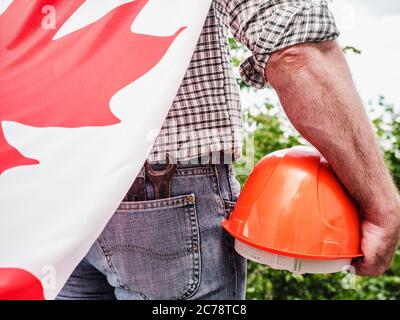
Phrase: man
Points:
(166, 240)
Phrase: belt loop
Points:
(231, 170)
(142, 172)
(143, 175)
(220, 173)
(142, 182)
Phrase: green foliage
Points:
(387, 123)
(271, 131)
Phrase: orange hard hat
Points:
(294, 214)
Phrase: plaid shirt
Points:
(206, 114)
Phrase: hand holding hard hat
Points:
(294, 214)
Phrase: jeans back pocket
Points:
(154, 247)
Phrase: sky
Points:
(373, 26)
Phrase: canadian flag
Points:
(85, 86)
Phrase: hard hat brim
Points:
(292, 264)
(247, 241)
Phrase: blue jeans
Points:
(172, 248)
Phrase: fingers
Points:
(369, 269)
(379, 246)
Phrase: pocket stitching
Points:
(153, 254)
(174, 202)
(196, 274)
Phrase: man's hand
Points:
(378, 245)
(316, 90)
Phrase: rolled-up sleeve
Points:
(266, 26)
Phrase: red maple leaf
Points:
(19, 284)
(68, 82)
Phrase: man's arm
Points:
(316, 90)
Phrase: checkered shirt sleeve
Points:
(266, 26)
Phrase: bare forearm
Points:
(317, 92)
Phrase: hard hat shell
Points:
(293, 205)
